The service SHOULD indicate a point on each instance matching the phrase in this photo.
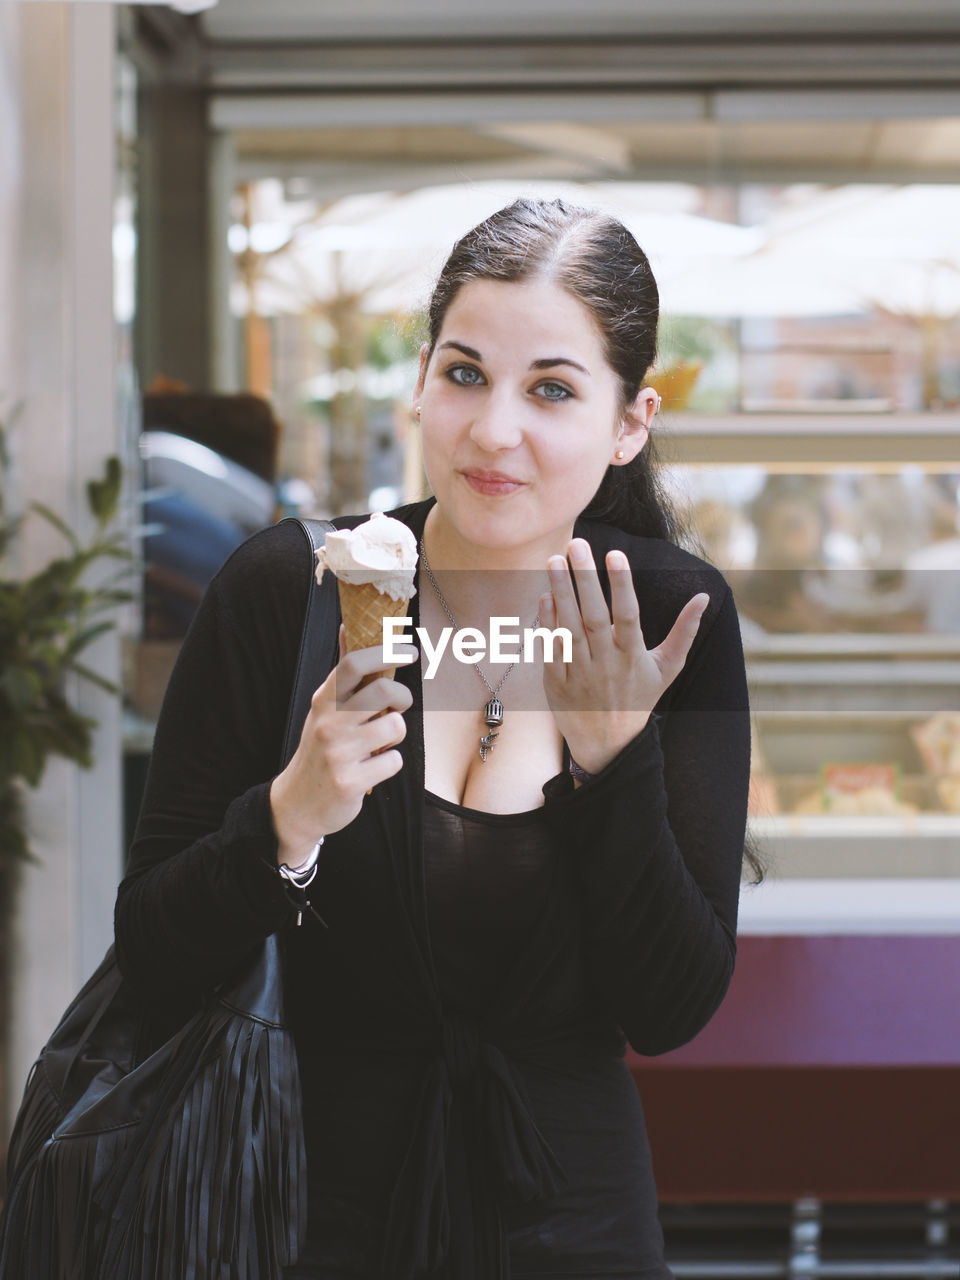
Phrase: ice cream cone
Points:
(375, 565)
(364, 608)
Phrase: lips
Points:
(491, 482)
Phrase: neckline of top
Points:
(481, 815)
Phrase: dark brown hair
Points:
(595, 259)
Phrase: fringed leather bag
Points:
(187, 1162)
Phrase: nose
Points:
(496, 423)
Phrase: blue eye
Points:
(465, 375)
(554, 391)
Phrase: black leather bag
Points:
(188, 1162)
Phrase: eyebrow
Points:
(548, 363)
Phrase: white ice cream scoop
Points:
(381, 551)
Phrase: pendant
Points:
(493, 718)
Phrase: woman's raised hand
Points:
(603, 697)
(322, 788)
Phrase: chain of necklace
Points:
(493, 710)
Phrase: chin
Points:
(507, 535)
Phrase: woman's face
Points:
(519, 415)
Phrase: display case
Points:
(856, 761)
(840, 537)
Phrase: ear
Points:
(422, 374)
(634, 430)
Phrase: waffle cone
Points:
(364, 608)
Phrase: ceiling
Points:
(345, 159)
(320, 20)
(354, 94)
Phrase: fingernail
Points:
(578, 552)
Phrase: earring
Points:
(658, 404)
(416, 412)
(618, 454)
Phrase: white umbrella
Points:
(919, 221)
(840, 251)
(757, 284)
(386, 250)
(439, 216)
(314, 274)
(898, 247)
(843, 251)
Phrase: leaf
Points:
(13, 844)
(62, 730)
(51, 516)
(59, 576)
(29, 757)
(95, 678)
(45, 623)
(104, 495)
(46, 658)
(115, 551)
(108, 600)
(124, 573)
(20, 687)
(85, 637)
(8, 531)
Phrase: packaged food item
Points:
(938, 741)
(854, 789)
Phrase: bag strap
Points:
(319, 642)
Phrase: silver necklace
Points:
(493, 710)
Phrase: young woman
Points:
(508, 903)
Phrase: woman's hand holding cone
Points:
(345, 749)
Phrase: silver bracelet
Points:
(302, 876)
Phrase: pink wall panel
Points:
(832, 1069)
(832, 1001)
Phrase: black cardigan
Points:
(639, 938)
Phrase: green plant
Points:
(47, 620)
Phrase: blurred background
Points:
(219, 228)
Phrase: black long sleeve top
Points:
(443, 1135)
